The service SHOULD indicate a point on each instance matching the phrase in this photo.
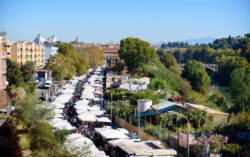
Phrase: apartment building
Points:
(2, 64)
(3, 81)
(21, 52)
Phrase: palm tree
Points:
(167, 118)
(198, 117)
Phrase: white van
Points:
(48, 84)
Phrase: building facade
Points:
(111, 55)
(49, 51)
(3, 81)
(21, 52)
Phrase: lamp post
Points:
(138, 114)
(179, 114)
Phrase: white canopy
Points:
(103, 119)
(79, 140)
(109, 133)
(87, 117)
(60, 124)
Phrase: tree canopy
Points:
(69, 62)
(240, 89)
(195, 73)
(94, 54)
(168, 60)
(135, 52)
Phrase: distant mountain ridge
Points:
(204, 40)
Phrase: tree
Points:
(178, 54)
(65, 48)
(119, 67)
(28, 70)
(135, 52)
(167, 119)
(168, 60)
(197, 117)
(240, 89)
(42, 137)
(28, 112)
(95, 55)
(14, 74)
(195, 73)
(156, 84)
(218, 99)
(160, 52)
(164, 46)
(228, 64)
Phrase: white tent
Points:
(60, 124)
(82, 102)
(79, 140)
(87, 117)
(109, 133)
(103, 119)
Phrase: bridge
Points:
(213, 67)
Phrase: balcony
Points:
(3, 54)
(4, 81)
(3, 66)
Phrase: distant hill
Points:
(205, 40)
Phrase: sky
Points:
(112, 20)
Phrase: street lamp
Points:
(179, 114)
(138, 114)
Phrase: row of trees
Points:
(69, 62)
(174, 45)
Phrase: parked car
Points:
(48, 84)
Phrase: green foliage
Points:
(135, 52)
(42, 137)
(119, 67)
(195, 73)
(119, 95)
(157, 70)
(239, 121)
(95, 55)
(228, 64)
(174, 44)
(136, 76)
(65, 48)
(28, 70)
(212, 127)
(219, 100)
(147, 95)
(156, 84)
(197, 117)
(178, 54)
(234, 148)
(14, 74)
(168, 60)
(160, 52)
(28, 112)
(167, 119)
(240, 89)
(69, 62)
(60, 135)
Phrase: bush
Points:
(233, 148)
(156, 84)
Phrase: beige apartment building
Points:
(21, 52)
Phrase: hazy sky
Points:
(112, 20)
